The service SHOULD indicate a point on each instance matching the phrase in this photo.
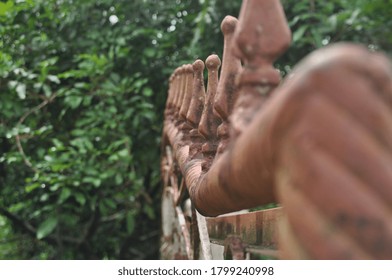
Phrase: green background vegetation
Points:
(82, 91)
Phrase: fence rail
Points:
(318, 144)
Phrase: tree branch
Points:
(18, 221)
(32, 231)
(20, 122)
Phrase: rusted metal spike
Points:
(227, 91)
(171, 95)
(196, 108)
(182, 92)
(183, 126)
(198, 95)
(188, 87)
(176, 90)
(209, 121)
(179, 91)
(169, 99)
(261, 36)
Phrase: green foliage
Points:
(83, 85)
(315, 24)
(82, 88)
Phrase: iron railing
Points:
(319, 144)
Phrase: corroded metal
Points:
(227, 89)
(254, 228)
(261, 37)
(334, 171)
(238, 179)
(319, 144)
(196, 109)
(234, 248)
(209, 121)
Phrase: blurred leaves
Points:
(81, 103)
(46, 227)
(315, 24)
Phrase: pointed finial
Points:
(209, 121)
(261, 36)
(197, 102)
(188, 88)
(227, 91)
(195, 109)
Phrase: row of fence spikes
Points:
(208, 119)
(203, 115)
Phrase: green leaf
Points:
(32, 187)
(6, 7)
(149, 210)
(80, 198)
(54, 79)
(123, 153)
(64, 195)
(110, 203)
(93, 180)
(149, 52)
(298, 34)
(73, 101)
(46, 227)
(118, 179)
(147, 91)
(21, 91)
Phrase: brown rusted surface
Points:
(238, 179)
(227, 89)
(257, 228)
(335, 167)
(209, 121)
(262, 35)
(188, 76)
(196, 109)
(320, 145)
(234, 248)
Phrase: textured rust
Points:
(336, 159)
(196, 109)
(209, 121)
(184, 125)
(261, 36)
(188, 88)
(234, 180)
(227, 90)
(257, 228)
(198, 94)
(177, 90)
(234, 248)
(320, 145)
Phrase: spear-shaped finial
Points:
(196, 108)
(209, 121)
(227, 90)
(261, 36)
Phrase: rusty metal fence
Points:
(318, 145)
